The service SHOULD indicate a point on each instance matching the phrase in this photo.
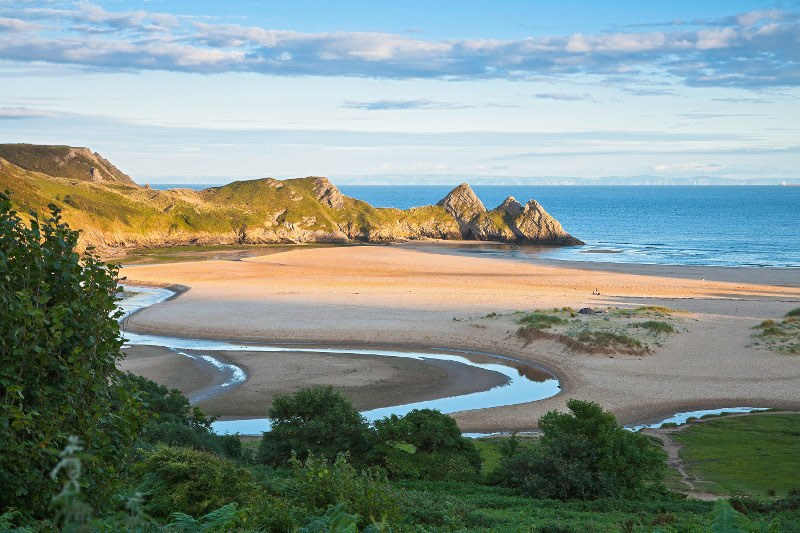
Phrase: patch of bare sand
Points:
(164, 366)
(391, 295)
(368, 381)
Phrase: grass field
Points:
(756, 455)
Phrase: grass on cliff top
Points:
(756, 455)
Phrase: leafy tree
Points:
(318, 420)
(585, 455)
(59, 344)
(427, 444)
(174, 422)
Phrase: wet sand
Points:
(407, 297)
(368, 381)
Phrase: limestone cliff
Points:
(508, 222)
(112, 211)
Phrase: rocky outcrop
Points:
(508, 222)
(534, 224)
(65, 162)
(327, 193)
(463, 205)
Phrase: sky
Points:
(430, 91)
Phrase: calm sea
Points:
(744, 226)
(724, 226)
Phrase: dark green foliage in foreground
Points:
(192, 482)
(318, 420)
(59, 343)
(321, 484)
(173, 421)
(584, 455)
(426, 442)
(793, 312)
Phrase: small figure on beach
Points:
(596, 292)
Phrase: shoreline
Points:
(391, 296)
(774, 276)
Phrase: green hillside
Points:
(113, 212)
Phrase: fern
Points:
(225, 518)
(725, 519)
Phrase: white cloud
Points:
(749, 50)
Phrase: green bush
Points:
(191, 482)
(426, 444)
(317, 420)
(793, 312)
(585, 455)
(59, 344)
(319, 484)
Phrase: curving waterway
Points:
(524, 383)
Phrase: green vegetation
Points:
(611, 330)
(656, 326)
(62, 161)
(540, 320)
(117, 214)
(144, 460)
(606, 340)
(59, 344)
(317, 421)
(780, 336)
(756, 455)
(583, 455)
(656, 310)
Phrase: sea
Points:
(733, 226)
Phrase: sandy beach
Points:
(406, 296)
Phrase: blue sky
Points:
(408, 92)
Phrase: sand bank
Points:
(406, 297)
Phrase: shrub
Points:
(426, 444)
(793, 312)
(317, 420)
(191, 482)
(585, 455)
(319, 484)
(59, 344)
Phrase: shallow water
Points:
(525, 383)
(739, 226)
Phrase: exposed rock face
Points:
(534, 224)
(327, 193)
(508, 222)
(510, 206)
(464, 205)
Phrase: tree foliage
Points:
(59, 343)
(318, 420)
(584, 454)
(426, 444)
